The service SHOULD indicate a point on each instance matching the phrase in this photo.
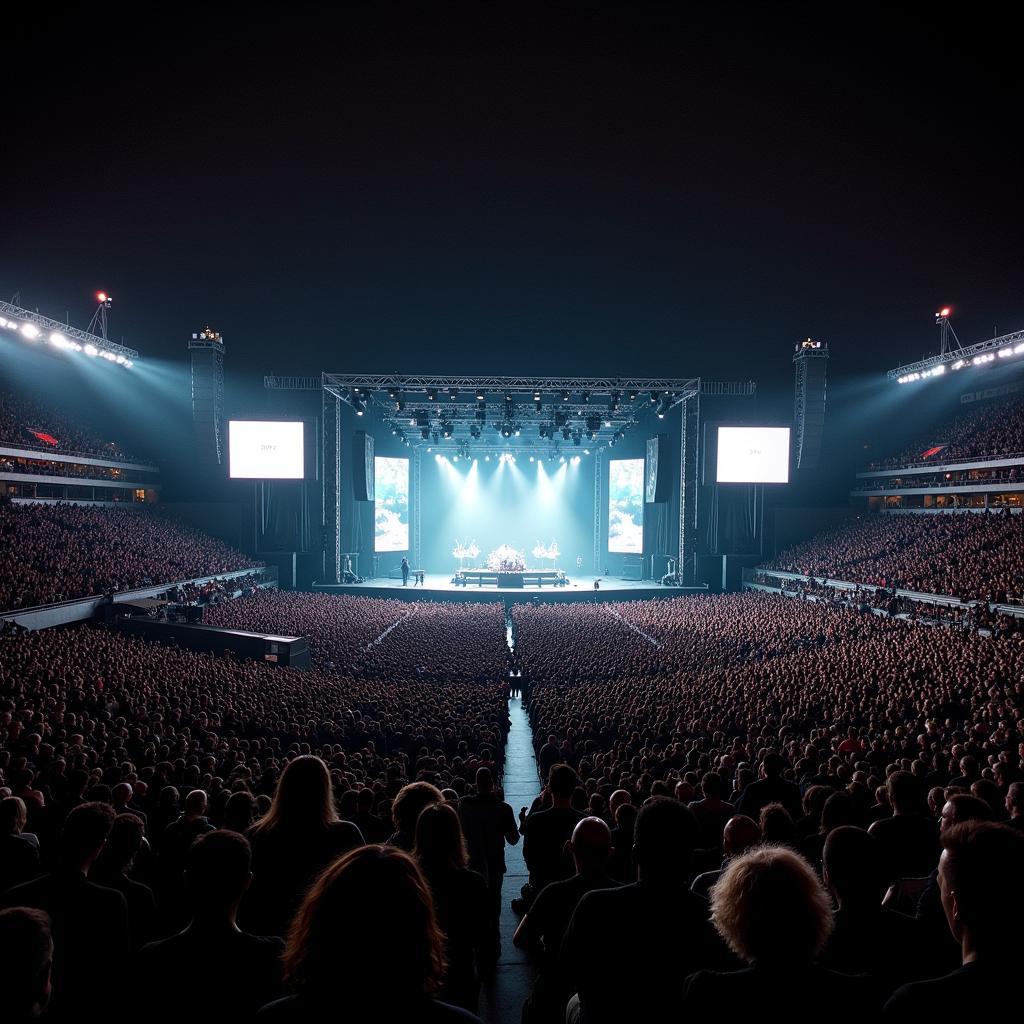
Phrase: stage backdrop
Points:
(524, 504)
(391, 513)
(626, 506)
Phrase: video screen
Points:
(265, 450)
(753, 455)
(391, 504)
(626, 506)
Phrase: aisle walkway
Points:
(501, 999)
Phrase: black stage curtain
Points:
(282, 516)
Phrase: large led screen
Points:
(626, 506)
(391, 504)
(265, 450)
(753, 455)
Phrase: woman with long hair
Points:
(460, 899)
(365, 945)
(292, 843)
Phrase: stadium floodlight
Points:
(30, 331)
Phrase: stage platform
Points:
(441, 588)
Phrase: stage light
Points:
(30, 331)
(128, 364)
(456, 457)
(585, 397)
(393, 394)
(58, 339)
(453, 394)
(655, 396)
(90, 350)
(479, 394)
(359, 407)
(565, 396)
(431, 394)
(631, 396)
(586, 451)
(487, 458)
(575, 460)
(103, 297)
(944, 312)
(531, 458)
(561, 458)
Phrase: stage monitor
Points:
(265, 450)
(626, 506)
(753, 455)
(391, 504)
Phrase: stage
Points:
(441, 588)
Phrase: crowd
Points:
(447, 642)
(51, 553)
(22, 418)
(746, 801)
(982, 431)
(971, 556)
(50, 467)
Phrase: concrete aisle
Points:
(502, 998)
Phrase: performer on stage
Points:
(405, 572)
(579, 563)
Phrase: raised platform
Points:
(510, 580)
(441, 588)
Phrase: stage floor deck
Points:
(441, 588)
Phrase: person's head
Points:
(591, 845)
(617, 799)
(409, 804)
(304, 797)
(27, 943)
(982, 887)
(125, 839)
(769, 906)
(712, 786)
(218, 872)
(739, 835)
(367, 924)
(776, 824)
(664, 838)
(440, 845)
(484, 781)
(562, 781)
(121, 794)
(239, 810)
(195, 803)
(961, 808)
(854, 867)
(84, 834)
(13, 815)
(1015, 799)
(904, 793)
(774, 765)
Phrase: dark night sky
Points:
(465, 193)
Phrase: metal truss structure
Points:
(960, 358)
(549, 415)
(83, 338)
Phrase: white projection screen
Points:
(391, 504)
(265, 450)
(626, 506)
(753, 455)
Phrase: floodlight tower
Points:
(945, 330)
(98, 324)
(811, 363)
(207, 353)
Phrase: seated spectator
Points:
(19, 857)
(293, 843)
(26, 963)
(1015, 805)
(739, 835)
(89, 921)
(909, 840)
(774, 913)
(406, 810)
(546, 834)
(542, 929)
(712, 811)
(771, 788)
(365, 945)
(866, 938)
(620, 865)
(626, 948)
(212, 969)
(113, 868)
(983, 900)
(460, 901)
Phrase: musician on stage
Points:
(405, 572)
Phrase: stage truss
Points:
(546, 415)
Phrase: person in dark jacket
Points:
(365, 946)
(774, 913)
(292, 844)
